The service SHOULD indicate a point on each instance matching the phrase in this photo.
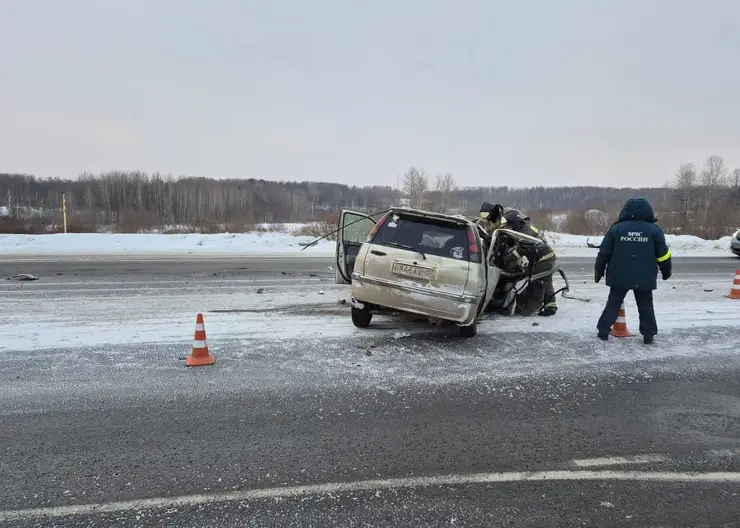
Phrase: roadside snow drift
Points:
(681, 245)
(274, 243)
(96, 243)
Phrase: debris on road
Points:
(24, 277)
(321, 292)
(567, 295)
(260, 290)
(341, 301)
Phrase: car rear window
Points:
(425, 235)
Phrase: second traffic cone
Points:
(200, 356)
(735, 290)
(619, 329)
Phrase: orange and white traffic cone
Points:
(735, 290)
(619, 329)
(200, 356)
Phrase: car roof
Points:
(458, 219)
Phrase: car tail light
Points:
(376, 227)
(473, 248)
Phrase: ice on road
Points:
(38, 318)
(55, 314)
(73, 330)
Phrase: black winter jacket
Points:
(634, 249)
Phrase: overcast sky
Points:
(548, 92)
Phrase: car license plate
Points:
(418, 272)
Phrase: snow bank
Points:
(96, 243)
(681, 245)
(275, 243)
(290, 228)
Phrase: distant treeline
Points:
(134, 201)
(191, 200)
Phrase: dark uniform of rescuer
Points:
(494, 216)
(631, 253)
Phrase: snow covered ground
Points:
(63, 314)
(681, 245)
(275, 331)
(273, 243)
(96, 243)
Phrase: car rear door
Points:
(352, 231)
(416, 251)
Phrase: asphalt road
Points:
(185, 267)
(135, 448)
(263, 443)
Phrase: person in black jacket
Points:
(539, 296)
(631, 253)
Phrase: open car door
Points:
(516, 280)
(493, 274)
(352, 231)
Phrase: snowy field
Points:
(272, 243)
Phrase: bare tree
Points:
(714, 172)
(445, 187)
(735, 179)
(686, 176)
(415, 183)
(713, 178)
(686, 194)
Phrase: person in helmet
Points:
(540, 294)
(491, 216)
(539, 297)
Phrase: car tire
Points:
(469, 330)
(361, 318)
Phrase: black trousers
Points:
(644, 299)
(549, 298)
(539, 293)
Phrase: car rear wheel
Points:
(469, 331)
(361, 317)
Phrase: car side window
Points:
(356, 228)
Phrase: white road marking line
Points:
(723, 453)
(368, 485)
(619, 460)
